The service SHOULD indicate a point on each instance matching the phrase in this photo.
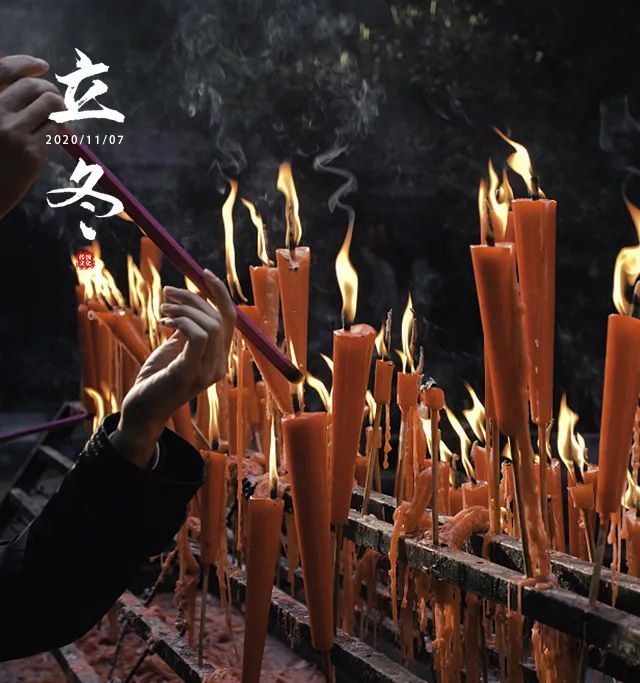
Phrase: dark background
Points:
(229, 88)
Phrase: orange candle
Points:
(182, 423)
(232, 399)
(479, 457)
(407, 391)
(305, 443)
(631, 532)
(352, 351)
(455, 501)
(293, 276)
(125, 331)
(495, 276)
(535, 232)
(87, 347)
(213, 495)
(582, 496)
(263, 552)
(475, 494)
(278, 384)
(266, 295)
(382, 382)
(554, 477)
(619, 403)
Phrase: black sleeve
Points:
(68, 567)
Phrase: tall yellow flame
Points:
(371, 404)
(273, 464)
(229, 247)
(571, 445)
(465, 442)
(520, 161)
(97, 282)
(445, 452)
(407, 328)
(257, 221)
(500, 209)
(506, 191)
(292, 206)
(631, 498)
(153, 308)
(214, 406)
(482, 210)
(627, 266)
(381, 347)
(347, 279)
(98, 403)
(321, 389)
(475, 415)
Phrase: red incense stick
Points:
(180, 258)
(43, 427)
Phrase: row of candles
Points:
(514, 269)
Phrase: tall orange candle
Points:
(535, 232)
(263, 552)
(213, 495)
(266, 295)
(494, 269)
(352, 351)
(305, 443)
(294, 267)
(619, 402)
(125, 331)
(277, 383)
(502, 325)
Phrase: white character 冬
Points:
(92, 173)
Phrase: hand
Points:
(25, 104)
(191, 360)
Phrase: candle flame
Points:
(408, 337)
(297, 386)
(214, 407)
(292, 206)
(138, 291)
(371, 404)
(153, 308)
(631, 498)
(500, 209)
(229, 247)
(98, 283)
(465, 442)
(273, 464)
(506, 191)
(319, 386)
(571, 445)
(98, 404)
(475, 415)
(445, 452)
(520, 162)
(256, 219)
(483, 212)
(381, 346)
(347, 279)
(328, 361)
(506, 451)
(627, 266)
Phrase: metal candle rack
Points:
(613, 634)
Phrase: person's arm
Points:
(25, 104)
(112, 511)
(67, 568)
